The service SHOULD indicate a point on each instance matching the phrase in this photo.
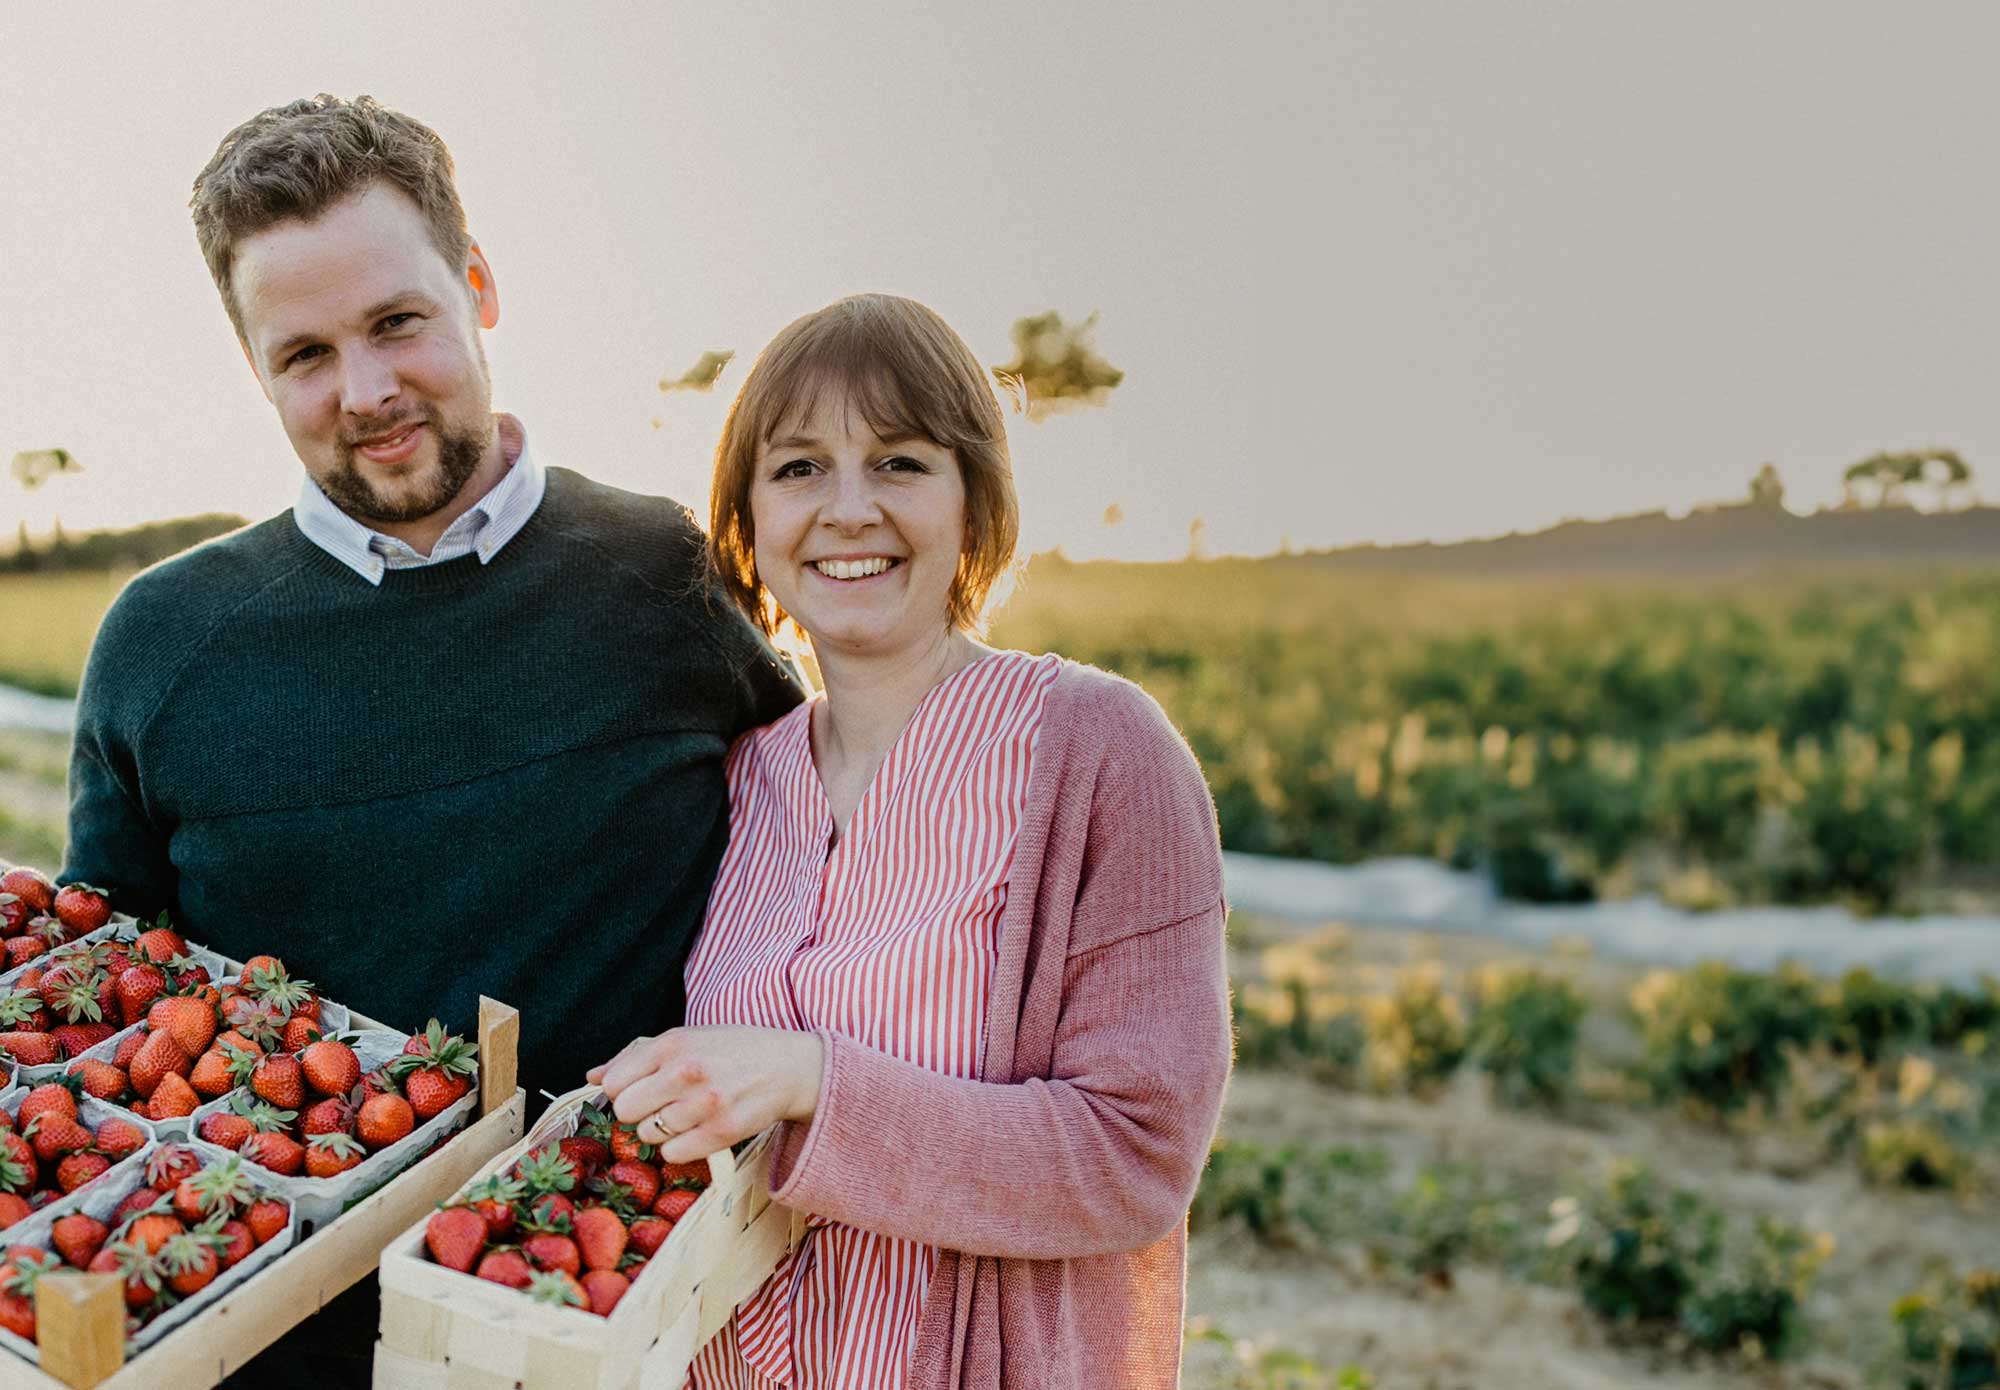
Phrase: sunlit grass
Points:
(49, 622)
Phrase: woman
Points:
(966, 943)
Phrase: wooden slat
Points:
(80, 1326)
(499, 1052)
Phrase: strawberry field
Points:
(1445, 1164)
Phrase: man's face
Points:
(367, 342)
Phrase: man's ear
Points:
(485, 293)
(251, 362)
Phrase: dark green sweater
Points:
(498, 779)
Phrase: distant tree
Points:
(702, 376)
(1114, 515)
(1197, 539)
(1767, 489)
(1887, 475)
(1056, 367)
(33, 467)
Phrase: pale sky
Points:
(1375, 272)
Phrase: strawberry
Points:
(23, 1010)
(169, 1164)
(139, 1268)
(138, 1199)
(159, 945)
(79, 1168)
(455, 1236)
(225, 1129)
(217, 1189)
(238, 1242)
(334, 1115)
(604, 1288)
(117, 1139)
(76, 1038)
(211, 1076)
(648, 1233)
(77, 1238)
(558, 1288)
(300, 1033)
(82, 908)
(138, 986)
(641, 1180)
(173, 1099)
(190, 1018)
(19, 1167)
(550, 1209)
(494, 1200)
(241, 1041)
(588, 1154)
(549, 1250)
(436, 1070)
(100, 1078)
(279, 1152)
(49, 1098)
(15, 913)
(54, 1135)
(17, 1290)
(600, 1237)
(384, 1120)
(329, 1155)
(330, 1067)
(159, 1056)
(691, 1174)
(506, 1267)
(22, 949)
(31, 1049)
(128, 1048)
(625, 1143)
(267, 1218)
(260, 965)
(31, 886)
(278, 1079)
(547, 1170)
(14, 1207)
(674, 1203)
(151, 1230)
(191, 1262)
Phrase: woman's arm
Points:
(1102, 1156)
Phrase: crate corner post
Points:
(499, 1053)
(80, 1326)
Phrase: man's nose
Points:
(367, 382)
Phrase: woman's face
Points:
(858, 537)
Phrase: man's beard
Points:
(458, 456)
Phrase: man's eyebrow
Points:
(415, 299)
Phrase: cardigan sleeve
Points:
(1101, 1155)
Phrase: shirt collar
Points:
(496, 518)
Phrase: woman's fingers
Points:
(636, 1059)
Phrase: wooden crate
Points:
(445, 1330)
(81, 1317)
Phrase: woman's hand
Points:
(693, 1091)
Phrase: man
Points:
(455, 723)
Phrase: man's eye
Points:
(303, 356)
(397, 320)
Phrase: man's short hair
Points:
(293, 162)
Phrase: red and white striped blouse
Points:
(888, 937)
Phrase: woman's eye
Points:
(796, 468)
(903, 463)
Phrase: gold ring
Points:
(654, 1120)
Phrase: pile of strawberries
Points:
(572, 1223)
(36, 916)
(80, 995)
(47, 1151)
(313, 1111)
(170, 1239)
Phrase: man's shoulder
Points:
(630, 517)
(188, 589)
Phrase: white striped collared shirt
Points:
(483, 529)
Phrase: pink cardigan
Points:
(1058, 1186)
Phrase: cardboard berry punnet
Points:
(444, 1329)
